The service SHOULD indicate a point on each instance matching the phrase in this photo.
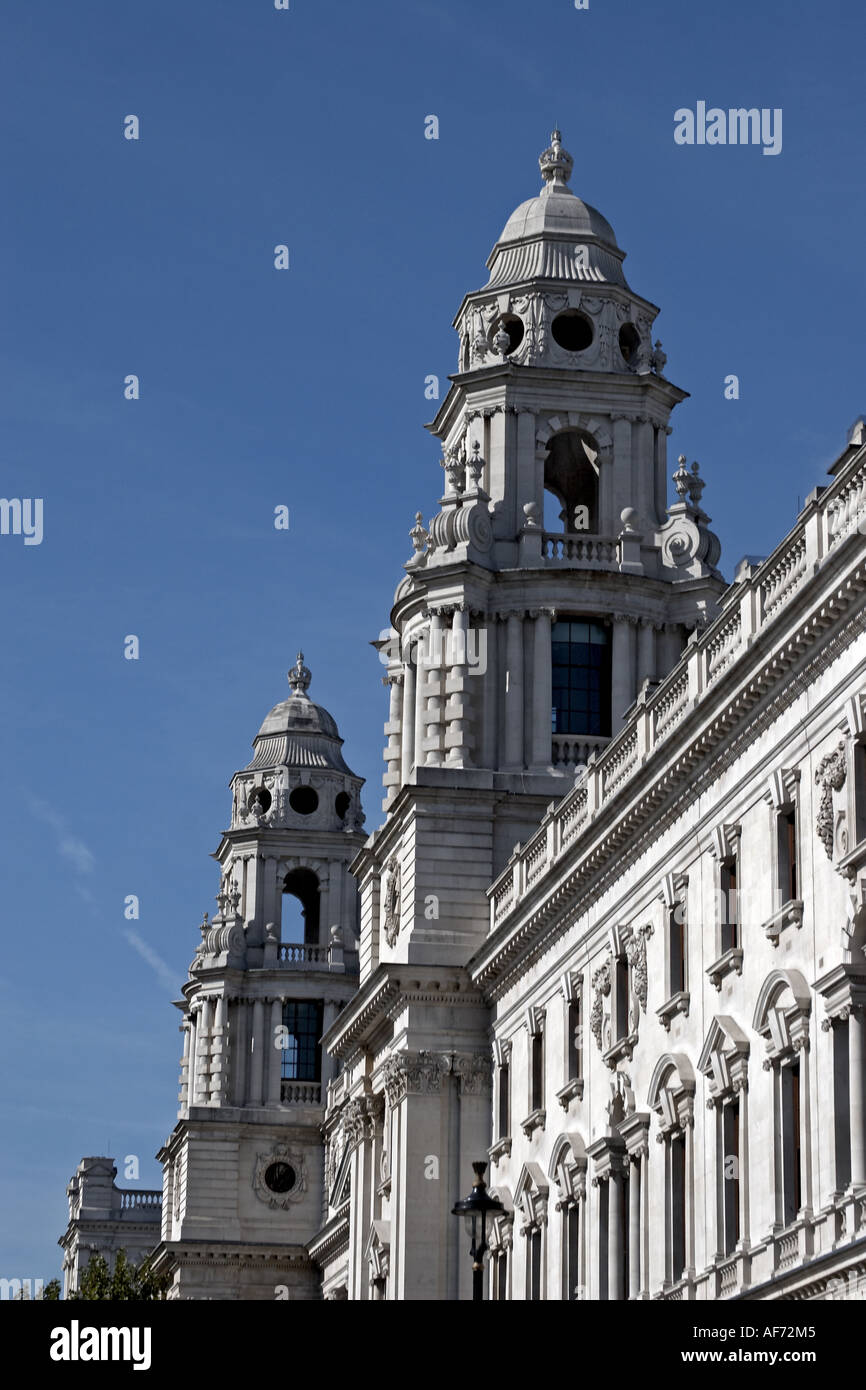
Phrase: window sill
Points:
(731, 960)
(855, 859)
(677, 1004)
(790, 914)
(622, 1048)
(501, 1149)
(572, 1090)
(536, 1120)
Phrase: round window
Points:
(572, 330)
(303, 800)
(513, 327)
(280, 1177)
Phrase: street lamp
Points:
(475, 1209)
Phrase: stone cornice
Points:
(388, 990)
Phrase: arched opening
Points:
(571, 475)
(513, 327)
(300, 917)
(342, 802)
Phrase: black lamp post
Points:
(476, 1208)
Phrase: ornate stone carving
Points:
(474, 1071)
(413, 1075)
(282, 1157)
(601, 989)
(392, 900)
(635, 950)
(830, 777)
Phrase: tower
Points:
(242, 1171)
(550, 590)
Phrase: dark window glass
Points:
(301, 1060)
(581, 678)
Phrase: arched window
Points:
(302, 924)
(580, 663)
(568, 1170)
(571, 474)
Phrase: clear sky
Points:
(306, 388)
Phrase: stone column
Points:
(614, 1235)
(634, 1215)
(857, 1102)
(192, 1072)
(202, 1053)
(688, 1124)
(219, 1057)
(259, 1042)
(805, 1130)
(542, 697)
(514, 693)
(622, 669)
(457, 738)
(329, 1013)
(646, 662)
(407, 742)
(240, 1048)
(432, 688)
(188, 1030)
(274, 1053)
(488, 694)
(393, 731)
(744, 1164)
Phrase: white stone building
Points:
(611, 932)
(104, 1219)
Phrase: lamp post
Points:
(475, 1209)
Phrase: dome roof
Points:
(540, 236)
(298, 733)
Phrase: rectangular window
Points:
(677, 950)
(730, 912)
(620, 999)
(536, 1097)
(302, 1050)
(581, 678)
(790, 1134)
(859, 754)
(677, 1149)
(787, 849)
(533, 1256)
(731, 1174)
(574, 1026)
(504, 1101)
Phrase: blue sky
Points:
(306, 388)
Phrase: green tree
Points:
(125, 1281)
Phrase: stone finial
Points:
(681, 478)
(555, 163)
(299, 677)
(418, 534)
(455, 471)
(696, 485)
(476, 463)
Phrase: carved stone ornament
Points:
(600, 989)
(413, 1075)
(280, 1176)
(392, 901)
(830, 777)
(635, 950)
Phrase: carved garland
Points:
(392, 901)
(830, 777)
(601, 989)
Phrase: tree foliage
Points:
(125, 1282)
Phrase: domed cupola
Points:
(557, 295)
(297, 775)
